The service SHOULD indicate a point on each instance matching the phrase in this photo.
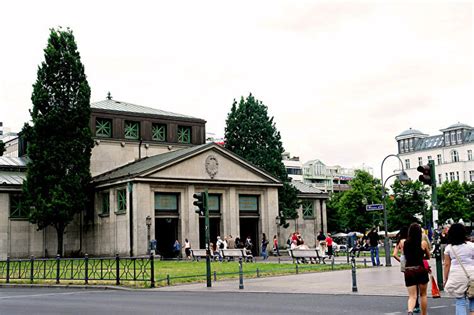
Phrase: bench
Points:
(201, 253)
(231, 254)
(304, 254)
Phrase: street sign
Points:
(374, 207)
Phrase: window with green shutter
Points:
(184, 134)
(103, 128)
(16, 211)
(121, 201)
(158, 132)
(132, 130)
(308, 210)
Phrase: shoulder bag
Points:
(470, 284)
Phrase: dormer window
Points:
(458, 136)
(446, 138)
(453, 138)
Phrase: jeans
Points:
(462, 306)
(264, 253)
(374, 251)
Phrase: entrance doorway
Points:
(249, 227)
(166, 233)
(214, 231)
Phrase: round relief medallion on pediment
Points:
(212, 165)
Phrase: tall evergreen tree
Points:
(251, 134)
(59, 140)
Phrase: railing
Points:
(87, 269)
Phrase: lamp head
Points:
(403, 178)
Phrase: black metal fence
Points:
(87, 269)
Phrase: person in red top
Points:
(276, 250)
(329, 244)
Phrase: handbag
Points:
(470, 283)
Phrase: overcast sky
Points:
(342, 79)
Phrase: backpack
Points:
(221, 245)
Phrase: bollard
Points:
(32, 269)
(117, 269)
(258, 274)
(8, 269)
(152, 270)
(332, 263)
(279, 259)
(241, 275)
(215, 276)
(57, 268)
(365, 262)
(354, 280)
(86, 269)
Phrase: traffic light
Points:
(200, 203)
(426, 171)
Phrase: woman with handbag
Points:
(459, 268)
(416, 276)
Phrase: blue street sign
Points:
(374, 207)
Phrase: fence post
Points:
(167, 280)
(86, 267)
(258, 273)
(117, 269)
(152, 270)
(241, 275)
(32, 270)
(332, 263)
(296, 268)
(354, 280)
(8, 269)
(58, 272)
(365, 262)
(215, 276)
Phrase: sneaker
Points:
(416, 310)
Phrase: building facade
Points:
(451, 151)
(149, 163)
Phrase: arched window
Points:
(454, 156)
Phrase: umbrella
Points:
(340, 235)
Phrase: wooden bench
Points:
(231, 254)
(304, 254)
(201, 253)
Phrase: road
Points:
(92, 301)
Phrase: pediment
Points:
(213, 164)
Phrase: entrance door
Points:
(166, 233)
(249, 227)
(215, 230)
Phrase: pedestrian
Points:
(329, 245)
(276, 250)
(230, 242)
(416, 275)
(373, 237)
(459, 260)
(187, 248)
(176, 249)
(264, 247)
(219, 247)
(321, 242)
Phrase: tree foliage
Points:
(59, 141)
(251, 134)
(409, 203)
(455, 201)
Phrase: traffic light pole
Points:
(437, 245)
(208, 237)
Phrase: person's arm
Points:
(395, 253)
(425, 247)
(447, 266)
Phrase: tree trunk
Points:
(60, 234)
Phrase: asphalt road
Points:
(81, 301)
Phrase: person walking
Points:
(373, 237)
(176, 249)
(276, 250)
(264, 246)
(187, 248)
(458, 264)
(416, 275)
(329, 245)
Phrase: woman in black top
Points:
(415, 273)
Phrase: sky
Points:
(341, 79)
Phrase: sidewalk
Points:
(386, 281)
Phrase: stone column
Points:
(324, 216)
(318, 216)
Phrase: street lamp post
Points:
(403, 178)
(148, 226)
